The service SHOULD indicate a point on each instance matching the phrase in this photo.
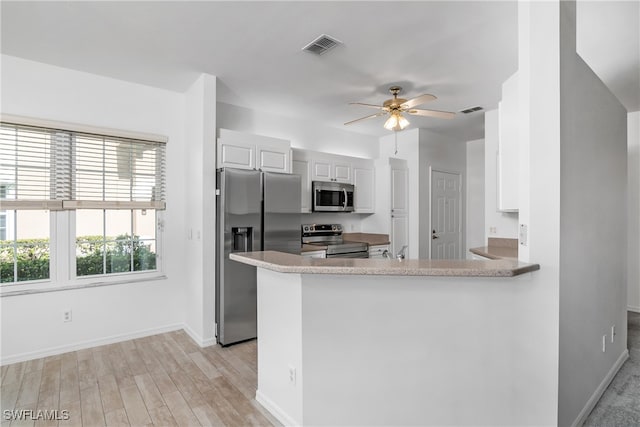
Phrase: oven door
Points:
(332, 197)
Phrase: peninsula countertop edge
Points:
(291, 263)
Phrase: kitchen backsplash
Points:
(350, 221)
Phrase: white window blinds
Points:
(67, 169)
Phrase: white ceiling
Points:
(458, 51)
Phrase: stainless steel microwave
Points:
(332, 197)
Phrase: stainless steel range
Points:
(330, 235)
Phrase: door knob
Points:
(433, 235)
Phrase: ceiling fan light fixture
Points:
(396, 122)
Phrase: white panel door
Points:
(399, 206)
(236, 155)
(446, 232)
(364, 183)
(273, 159)
(303, 168)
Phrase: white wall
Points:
(504, 223)
(443, 153)
(305, 134)
(539, 201)
(200, 209)
(474, 223)
(593, 227)
(633, 185)
(32, 324)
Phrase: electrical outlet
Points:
(604, 343)
(613, 332)
(292, 375)
(66, 316)
(493, 230)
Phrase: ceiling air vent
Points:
(471, 110)
(322, 44)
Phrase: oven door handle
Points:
(344, 205)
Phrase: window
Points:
(115, 241)
(110, 184)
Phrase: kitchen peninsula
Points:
(364, 342)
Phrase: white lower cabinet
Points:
(314, 254)
(377, 251)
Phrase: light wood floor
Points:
(163, 380)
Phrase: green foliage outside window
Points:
(32, 259)
(91, 251)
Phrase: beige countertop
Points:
(498, 248)
(371, 239)
(291, 263)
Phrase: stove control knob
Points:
(333, 227)
(306, 228)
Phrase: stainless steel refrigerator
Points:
(256, 211)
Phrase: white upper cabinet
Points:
(342, 172)
(301, 165)
(315, 166)
(364, 184)
(508, 146)
(274, 159)
(235, 154)
(329, 167)
(247, 151)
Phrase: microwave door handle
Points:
(344, 205)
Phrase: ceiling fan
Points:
(395, 106)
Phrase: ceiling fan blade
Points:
(432, 113)
(418, 100)
(382, 113)
(380, 107)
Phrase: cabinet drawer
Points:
(377, 251)
(314, 254)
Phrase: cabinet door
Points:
(376, 252)
(236, 155)
(314, 254)
(400, 191)
(342, 172)
(274, 159)
(321, 170)
(399, 233)
(303, 168)
(364, 183)
(508, 151)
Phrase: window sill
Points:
(94, 282)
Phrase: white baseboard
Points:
(275, 410)
(198, 339)
(591, 403)
(633, 308)
(51, 351)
